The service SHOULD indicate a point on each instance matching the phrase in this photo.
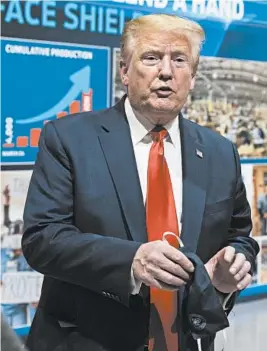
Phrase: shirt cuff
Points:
(224, 298)
(135, 284)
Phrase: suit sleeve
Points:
(241, 225)
(53, 245)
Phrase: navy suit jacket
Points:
(85, 219)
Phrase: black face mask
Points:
(202, 309)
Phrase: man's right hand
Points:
(158, 264)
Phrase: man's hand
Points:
(228, 271)
(158, 264)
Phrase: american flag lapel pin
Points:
(199, 153)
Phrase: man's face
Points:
(158, 75)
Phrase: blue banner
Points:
(232, 27)
(44, 81)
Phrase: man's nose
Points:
(166, 68)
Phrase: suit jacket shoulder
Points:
(206, 135)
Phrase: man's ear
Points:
(193, 81)
(124, 73)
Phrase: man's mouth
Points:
(164, 91)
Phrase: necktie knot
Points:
(158, 134)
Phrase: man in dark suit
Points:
(97, 218)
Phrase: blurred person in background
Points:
(262, 209)
(115, 193)
(258, 136)
(16, 226)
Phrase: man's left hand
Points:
(229, 271)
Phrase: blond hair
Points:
(164, 22)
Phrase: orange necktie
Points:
(161, 218)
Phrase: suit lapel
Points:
(195, 167)
(116, 143)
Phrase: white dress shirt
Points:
(142, 142)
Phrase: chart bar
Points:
(22, 141)
(61, 114)
(34, 136)
(75, 107)
(87, 104)
(8, 145)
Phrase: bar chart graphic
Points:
(32, 140)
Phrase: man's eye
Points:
(180, 59)
(151, 58)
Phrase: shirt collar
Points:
(141, 127)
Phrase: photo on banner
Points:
(259, 206)
(118, 89)
(255, 180)
(20, 285)
(230, 97)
